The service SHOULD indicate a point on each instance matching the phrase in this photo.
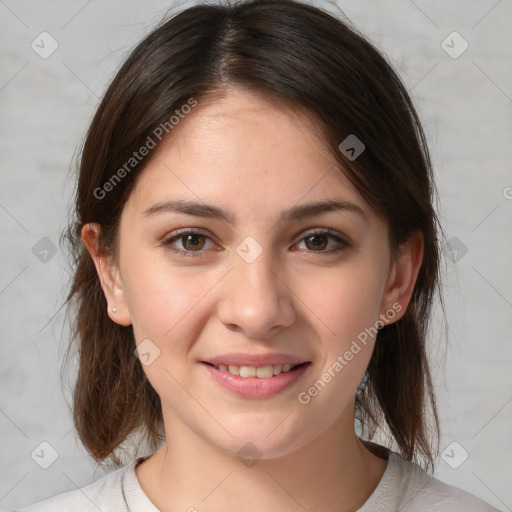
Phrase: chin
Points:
(260, 438)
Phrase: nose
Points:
(256, 299)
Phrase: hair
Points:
(307, 59)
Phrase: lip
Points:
(255, 359)
(254, 387)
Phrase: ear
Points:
(402, 279)
(109, 275)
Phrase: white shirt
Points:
(404, 486)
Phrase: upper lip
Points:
(255, 359)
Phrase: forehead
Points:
(244, 149)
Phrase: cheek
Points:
(345, 302)
(162, 302)
(167, 309)
(345, 307)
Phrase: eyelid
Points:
(324, 231)
(186, 231)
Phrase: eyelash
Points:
(194, 254)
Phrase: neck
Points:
(333, 472)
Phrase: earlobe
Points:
(402, 278)
(109, 276)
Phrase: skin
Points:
(254, 158)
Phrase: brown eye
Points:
(318, 241)
(192, 242)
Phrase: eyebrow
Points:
(294, 214)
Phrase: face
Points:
(263, 276)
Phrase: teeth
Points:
(235, 370)
(247, 371)
(262, 372)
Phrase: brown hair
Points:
(308, 59)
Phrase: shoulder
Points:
(420, 492)
(106, 494)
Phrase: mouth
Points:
(260, 372)
(256, 382)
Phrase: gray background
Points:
(466, 106)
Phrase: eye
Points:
(317, 241)
(191, 240)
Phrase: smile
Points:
(256, 381)
(261, 372)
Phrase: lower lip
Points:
(254, 387)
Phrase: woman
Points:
(256, 260)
